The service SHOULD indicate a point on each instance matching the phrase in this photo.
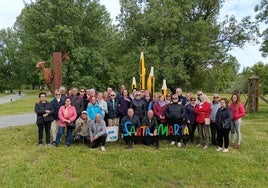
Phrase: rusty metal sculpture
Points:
(47, 74)
(53, 79)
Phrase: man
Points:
(151, 122)
(77, 101)
(175, 114)
(56, 103)
(63, 93)
(181, 98)
(214, 106)
(82, 127)
(127, 122)
(139, 106)
(97, 133)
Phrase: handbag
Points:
(70, 125)
(207, 121)
(226, 125)
(48, 118)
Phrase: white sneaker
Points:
(205, 147)
(172, 143)
(102, 148)
(198, 145)
(225, 150)
(219, 149)
(179, 144)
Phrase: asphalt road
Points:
(15, 120)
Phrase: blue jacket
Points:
(92, 110)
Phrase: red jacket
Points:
(202, 111)
(237, 111)
(159, 111)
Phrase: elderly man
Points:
(82, 127)
(97, 133)
(127, 122)
(151, 122)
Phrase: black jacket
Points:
(175, 113)
(40, 109)
(139, 107)
(224, 115)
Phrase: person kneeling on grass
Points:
(151, 122)
(97, 132)
(82, 128)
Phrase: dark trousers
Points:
(100, 140)
(41, 127)
(151, 140)
(213, 133)
(223, 134)
(192, 128)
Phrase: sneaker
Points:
(179, 144)
(219, 149)
(198, 145)
(172, 143)
(48, 145)
(102, 148)
(225, 150)
(237, 146)
(40, 145)
(205, 147)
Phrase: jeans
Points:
(68, 136)
(54, 126)
(41, 128)
(236, 128)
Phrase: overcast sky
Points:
(10, 9)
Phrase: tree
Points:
(182, 40)
(81, 27)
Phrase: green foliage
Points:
(24, 164)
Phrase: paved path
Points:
(15, 120)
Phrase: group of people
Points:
(86, 114)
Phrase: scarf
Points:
(161, 104)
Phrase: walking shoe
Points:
(172, 143)
(237, 146)
(48, 145)
(198, 145)
(40, 145)
(179, 144)
(219, 149)
(225, 150)
(205, 147)
(102, 148)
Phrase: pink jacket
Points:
(71, 115)
(237, 111)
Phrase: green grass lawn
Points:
(24, 164)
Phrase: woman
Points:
(159, 110)
(223, 125)
(190, 117)
(202, 111)
(123, 105)
(238, 111)
(44, 112)
(67, 114)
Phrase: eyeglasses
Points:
(112, 95)
(57, 94)
(215, 97)
(199, 94)
(174, 98)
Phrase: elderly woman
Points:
(202, 111)
(223, 125)
(67, 114)
(44, 112)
